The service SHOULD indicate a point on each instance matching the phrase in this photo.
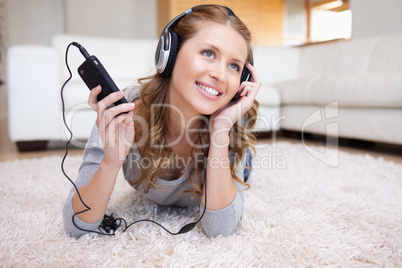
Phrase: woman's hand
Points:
(221, 187)
(117, 133)
(225, 117)
(116, 130)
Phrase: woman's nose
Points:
(217, 73)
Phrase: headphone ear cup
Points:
(158, 56)
(174, 49)
(245, 74)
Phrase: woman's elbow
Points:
(220, 227)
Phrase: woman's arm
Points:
(221, 188)
(93, 155)
(116, 131)
(117, 134)
(226, 220)
(96, 193)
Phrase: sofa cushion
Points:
(337, 58)
(295, 91)
(377, 90)
(126, 60)
(76, 93)
(122, 58)
(387, 54)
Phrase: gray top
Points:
(215, 222)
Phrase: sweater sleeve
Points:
(93, 154)
(225, 221)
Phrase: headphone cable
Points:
(109, 223)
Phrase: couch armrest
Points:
(33, 93)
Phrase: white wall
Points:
(3, 95)
(36, 21)
(121, 18)
(27, 22)
(371, 17)
(295, 24)
(33, 21)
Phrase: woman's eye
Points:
(208, 53)
(234, 66)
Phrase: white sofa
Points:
(350, 88)
(35, 75)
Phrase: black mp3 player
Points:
(93, 74)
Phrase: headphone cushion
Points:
(244, 75)
(174, 50)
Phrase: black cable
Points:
(188, 227)
(109, 224)
(68, 143)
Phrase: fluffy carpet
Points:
(299, 212)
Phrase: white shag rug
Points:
(299, 212)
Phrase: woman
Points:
(177, 127)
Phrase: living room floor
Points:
(9, 152)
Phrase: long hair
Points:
(154, 109)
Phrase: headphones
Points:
(168, 47)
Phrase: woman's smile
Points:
(209, 91)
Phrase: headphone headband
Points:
(170, 25)
(168, 45)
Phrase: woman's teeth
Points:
(209, 90)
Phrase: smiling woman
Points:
(207, 72)
(183, 121)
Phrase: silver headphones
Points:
(168, 47)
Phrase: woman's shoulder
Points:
(131, 93)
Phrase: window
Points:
(295, 23)
(330, 20)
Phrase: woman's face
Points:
(207, 71)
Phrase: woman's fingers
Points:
(109, 100)
(254, 74)
(120, 131)
(93, 97)
(119, 109)
(105, 102)
(254, 84)
(115, 123)
(249, 89)
(105, 116)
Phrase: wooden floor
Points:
(9, 152)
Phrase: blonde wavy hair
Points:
(154, 93)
